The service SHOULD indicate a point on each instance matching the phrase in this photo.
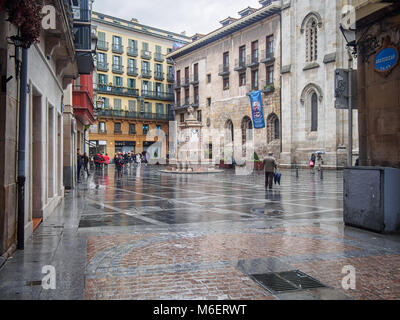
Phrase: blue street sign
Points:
(386, 59)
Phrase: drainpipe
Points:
(21, 150)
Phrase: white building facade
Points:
(312, 48)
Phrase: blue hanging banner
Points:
(257, 109)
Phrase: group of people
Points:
(100, 161)
(129, 159)
(316, 160)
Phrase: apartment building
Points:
(133, 85)
(216, 73)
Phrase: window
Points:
(242, 79)
(209, 78)
(116, 42)
(314, 112)
(182, 117)
(132, 128)
(311, 40)
(132, 44)
(118, 81)
(225, 83)
(101, 59)
(254, 52)
(145, 128)
(272, 127)
(242, 55)
(132, 105)
(186, 74)
(208, 102)
(102, 127)
(131, 63)
(178, 77)
(270, 74)
(158, 127)
(149, 107)
(254, 80)
(270, 45)
(145, 46)
(199, 115)
(246, 135)
(159, 108)
(106, 103)
(117, 127)
(186, 96)
(196, 71)
(225, 60)
(131, 83)
(117, 104)
(103, 79)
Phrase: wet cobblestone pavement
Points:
(164, 236)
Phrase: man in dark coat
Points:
(79, 164)
(269, 169)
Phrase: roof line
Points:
(140, 24)
(213, 35)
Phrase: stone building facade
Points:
(312, 48)
(51, 67)
(215, 74)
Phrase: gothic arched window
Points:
(272, 127)
(246, 136)
(314, 112)
(311, 40)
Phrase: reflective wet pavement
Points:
(164, 236)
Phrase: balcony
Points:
(146, 55)
(117, 68)
(118, 48)
(170, 77)
(122, 114)
(158, 57)
(102, 45)
(159, 75)
(102, 66)
(267, 87)
(117, 131)
(223, 70)
(240, 65)
(133, 132)
(170, 61)
(132, 71)
(119, 91)
(146, 73)
(186, 83)
(252, 60)
(194, 79)
(267, 57)
(83, 104)
(157, 95)
(132, 52)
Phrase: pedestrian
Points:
(97, 160)
(79, 165)
(357, 164)
(320, 161)
(85, 163)
(269, 170)
(312, 163)
(106, 160)
(119, 164)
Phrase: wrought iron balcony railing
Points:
(117, 48)
(267, 57)
(132, 52)
(159, 57)
(223, 70)
(110, 113)
(146, 54)
(146, 73)
(194, 79)
(159, 75)
(102, 66)
(102, 45)
(132, 71)
(252, 60)
(130, 92)
(240, 64)
(117, 68)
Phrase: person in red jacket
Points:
(106, 160)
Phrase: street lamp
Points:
(350, 37)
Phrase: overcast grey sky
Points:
(192, 16)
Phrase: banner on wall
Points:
(257, 109)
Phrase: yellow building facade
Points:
(133, 86)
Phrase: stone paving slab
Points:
(152, 236)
